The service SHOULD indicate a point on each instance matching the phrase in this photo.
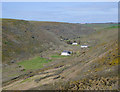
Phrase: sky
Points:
(71, 12)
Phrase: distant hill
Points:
(100, 26)
(66, 30)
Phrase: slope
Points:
(22, 40)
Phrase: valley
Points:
(31, 58)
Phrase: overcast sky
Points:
(79, 12)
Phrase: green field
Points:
(58, 56)
(113, 27)
(34, 63)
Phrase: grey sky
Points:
(79, 12)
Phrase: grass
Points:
(113, 27)
(35, 63)
(25, 80)
(12, 75)
(58, 56)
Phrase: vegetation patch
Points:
(115, 61)
(35, 63)
(114, 27)
(58, 56)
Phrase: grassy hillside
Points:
(21, 39)
(65, 30)
(37, 47)
(24, 40)
(95, 68)
(100, 26)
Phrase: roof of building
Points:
(67, 52)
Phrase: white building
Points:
(75, 43)
(84, 46)
(66, 53)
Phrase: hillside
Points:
(95, 68)
(66, 30)
(90, 68)
(21, 39)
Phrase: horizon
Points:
(80, 12)
(62, 22)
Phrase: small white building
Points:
(84, 46)
(66, 53)
(75, 43)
